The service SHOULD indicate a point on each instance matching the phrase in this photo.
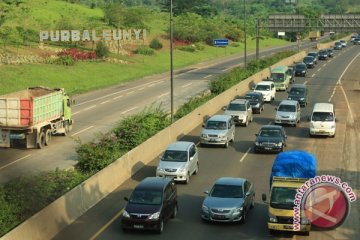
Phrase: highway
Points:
(335, 80)
(98, 111)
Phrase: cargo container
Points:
(29, 118)
(313, 36)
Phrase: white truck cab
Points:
(267, 88)
(322, 120)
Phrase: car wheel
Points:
(252, 118)
(246, 123)
(226, 145)
(253, 202)
(197, 169)
(282, 149)
(272, 231)
(174, 214)
(232, 137)
(161, 226)
(243, 218)
(187, 179)
(47, 137)
(42, 140)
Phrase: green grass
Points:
(86, 76)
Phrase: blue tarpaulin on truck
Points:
(294, 163)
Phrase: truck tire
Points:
(41, 142)
(47, 137)
(66, 128)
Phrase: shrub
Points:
(77, 54)
(199, 46)
(65, 60)
(144, 51)
(187, 48)
(235, 44)
(192, 104)
(102, 50)
(155, 44)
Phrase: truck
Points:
(28, 118)
(291, 169)
(314, 35)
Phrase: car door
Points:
(273, 90)
(168, 205)
(247, 195)
(231, 127)
(298, 111)
(192, 158)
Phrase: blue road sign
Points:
(221, 42)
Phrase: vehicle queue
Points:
(229, 199)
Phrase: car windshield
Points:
(297, 91)
(282, 197)
(262, 87)
(323, 116)
(323, 52)
(277, 77)
(146, 197)
(174, 156)
(312, 54)
(226, 191)
(236, 107)
(270, 133)
(308, 59)
(252, 98)
(219, 125)
(300, 67)
(338, 43)
(286, 108)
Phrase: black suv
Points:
(309, 61)
(323, 54)
(256, 100)
(300, 69)
(153, 201)
(299, 93)
(315, 55)
(330, 52)
(271, 138)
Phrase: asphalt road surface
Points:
(335, 81)
(98, 111)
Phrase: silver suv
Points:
(288, 112)
(180, 161)
(241, 111)
(218, 130)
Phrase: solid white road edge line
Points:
(81, 131)
(126, 111)
(15, 161)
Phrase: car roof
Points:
(272, 127)
(288, 102)
(323, 107)
(312, 53)
(300, 63)
(154, 183)
(279, 69)
(220, 118)
(298, 85)
(180, 145)
(265, 83)
(307, 57)
(230, 181)
(239, 101)
(254, 93)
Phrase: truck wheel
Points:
(47, 137)
(66, 129)
(42, 139)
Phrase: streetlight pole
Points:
(244, 33)
(171, 64)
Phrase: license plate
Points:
(212, 140)
(219, 216)
(267, 148)
(138, 226)
(288, 227)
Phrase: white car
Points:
(322, 120)
(180, 161)
(288, 112)
(343, 43)
(267, 88)
(241, 111)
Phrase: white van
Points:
(322, 120)
(267, 88)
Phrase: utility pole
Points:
(244, 33)
(171, 64)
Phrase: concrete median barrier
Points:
(65, 210)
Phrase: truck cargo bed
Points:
(30, 107)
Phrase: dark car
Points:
(271, 138)
(300, 69)
(315, 55)
(256, 100)
(323, 54)
(309, 61)
(356, 41)
(337, 46)
(299, 93)
(291, 72)
(330, 52)
(153, 201)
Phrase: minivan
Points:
(322, 120)
(180, 160)
(241, 111)
(281, 77)
(288, 112)
(152, 202)
(218, 130)
(267, 88)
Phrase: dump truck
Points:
(29, 118)
(291, 169)
(314, 35)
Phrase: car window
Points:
(192, 150)
(287, 108)
(262, 87)
(216, 125)
(226, 191)
(277, 77)
(175, 156)
(297, 91)
(146, 197)
(252, 98)
(270, 133)
(236, 107)
(246, 186)
(323, 116)
(168, 192)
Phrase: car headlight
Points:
(312, 125)
(257, 105)
(160, 169)
(257, 143)
(182, 169)
(238, 210)
(303, 71)
(305, 220)
(333, 126)
(279, 144)
(289, 98)
(154, 216)
(204, 135)
(272, 218)
(302, 99)
(205, 208)
(222, 136)
(126, 214)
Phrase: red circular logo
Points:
(326, 206)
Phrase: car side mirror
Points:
(203, 125)
(253, 87)
(276, 108)
(126, 199)
(224, 108)
(256, 134)
(160, 157)
(247, 194)
(285, 136)
(206, 192)
(191, 158)
(263, 197)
